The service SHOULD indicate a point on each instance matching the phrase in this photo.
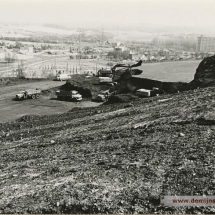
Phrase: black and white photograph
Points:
(107, 107)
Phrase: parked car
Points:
(63, 77)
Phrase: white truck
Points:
(149, 93)
(63, 77)
(28, 94)
(143, 93)
(104, 95)
(72, 95)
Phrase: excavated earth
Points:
(88, 87)
(118, 158)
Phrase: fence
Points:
(44, 71)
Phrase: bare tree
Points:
(10, 57)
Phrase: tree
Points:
(18, 45)
(10, 57)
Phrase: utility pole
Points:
(7, 65)
(80, 51)
(117, 33)
(102, 35)
(102, 39)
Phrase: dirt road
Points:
(47, 104)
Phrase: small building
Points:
(2, 49)
(120, 47)
(144, 58)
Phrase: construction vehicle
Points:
(28, 94)
(72, 95)
(143, 93)
(123, 71)
(63, 77)
(105, 76)
(104, 95)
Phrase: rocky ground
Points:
(117, 158)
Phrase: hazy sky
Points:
(198, 13)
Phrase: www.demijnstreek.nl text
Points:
(188, 200)
(206, 201)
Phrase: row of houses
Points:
(159, 58)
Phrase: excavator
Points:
(125, 70)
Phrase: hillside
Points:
(110, 159)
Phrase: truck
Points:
(28, 94)
(63, 77)
(72, 95)
(105, 76)
(104, 95)
(143, 93)
(149, 93)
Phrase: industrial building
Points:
(205, 44)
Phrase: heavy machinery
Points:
(104, 95)
(72, 95)
(123, 71)
(28, 94)
(144, 93)
(105, 76)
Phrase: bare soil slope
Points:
(112, 158)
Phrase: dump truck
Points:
(28, 94)
(72, 95)
(104, 95)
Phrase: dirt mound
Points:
(121, 98)
(135, 83)
(88, 87)
(28, 118)
(206, 69)
(205, 74)
(83, 91)
(125, 74)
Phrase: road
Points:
(45, 105)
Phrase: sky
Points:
(188, 13)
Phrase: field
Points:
(170, 71)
